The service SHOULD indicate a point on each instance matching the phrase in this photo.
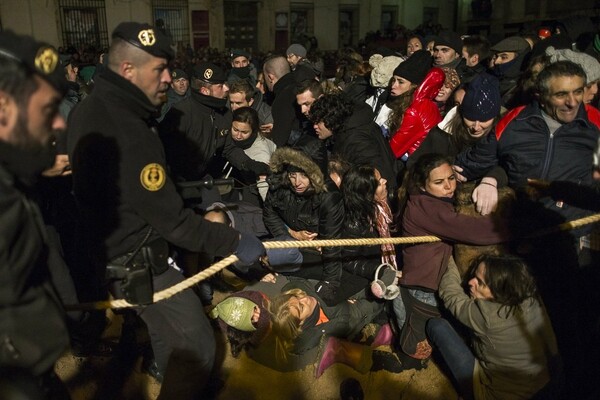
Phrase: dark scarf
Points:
(246, 143)
(26, 165)
(242, 72)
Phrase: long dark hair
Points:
(508, 278)
(398, 105)
(416, 177)
(358, 188)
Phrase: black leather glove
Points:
(249, 249)
(327, 292)
(257, 167)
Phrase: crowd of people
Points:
(158, 163)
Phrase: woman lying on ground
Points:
(245, 318)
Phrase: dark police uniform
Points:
(128, 200)
(33, 333)
(193, 132)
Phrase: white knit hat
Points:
(383, 69)
(590, 65)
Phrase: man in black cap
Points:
(33, 333)
(447, 50)
(133, 211)
(507, 64)
(195, 128)
(178, 90)
(241, 67)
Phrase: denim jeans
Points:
(457, 356)
(422, 296)
(285, 260)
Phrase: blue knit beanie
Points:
(482, 99)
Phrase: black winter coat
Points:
(120, 179)
(33, 333)
(361, 142)
(320, 211)
(361, 260)
(285, 111)
(193, 134)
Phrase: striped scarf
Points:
(383, 218)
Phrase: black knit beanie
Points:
(482, 99)
(415, 67)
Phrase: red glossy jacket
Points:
(421, 115)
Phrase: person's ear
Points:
(127, 70)
(8, 115)
(251, 101)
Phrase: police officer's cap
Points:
(36, 57)
(178, 73)
(144, 36)
(210, 73)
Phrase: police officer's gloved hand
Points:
(327, 292)
(249, 249)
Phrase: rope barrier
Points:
(213, 269)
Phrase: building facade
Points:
(263, 25)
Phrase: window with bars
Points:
(171, 16)
(83, 23)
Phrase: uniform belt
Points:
(154, 254)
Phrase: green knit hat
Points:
(235, 312)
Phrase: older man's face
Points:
(564, 98)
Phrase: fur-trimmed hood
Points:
(284, 156)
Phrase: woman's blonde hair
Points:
(285, 326)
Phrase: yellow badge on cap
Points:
(153, 177)
(146, 37)
(208, 73)
(46, 60)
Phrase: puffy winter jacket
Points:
(422, 115)
(320, 211)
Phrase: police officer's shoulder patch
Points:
(153, 177)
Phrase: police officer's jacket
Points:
(33, 334)
(193, 133)
(120, 179)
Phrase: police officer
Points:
(179, 90)
(194, 131)
(32, 329)
(132, 209)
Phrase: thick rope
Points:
(213, 269)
